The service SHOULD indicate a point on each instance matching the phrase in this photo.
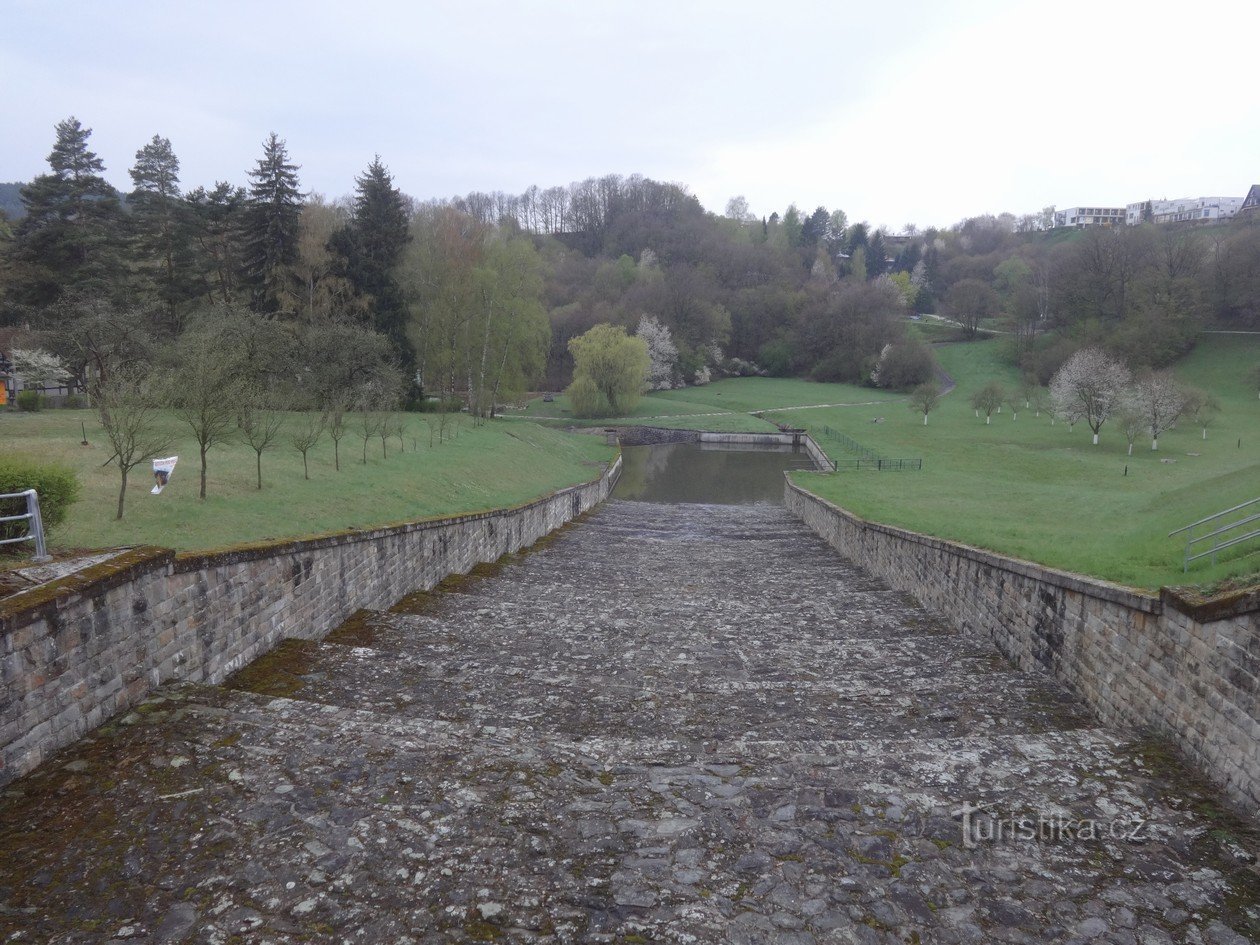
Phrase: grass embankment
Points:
(491, 466)
(725, 406)
(1025, 488)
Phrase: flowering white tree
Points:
(879, 364)
(1160, 402)
(1089, 387)
(38, 368)
(662, 353)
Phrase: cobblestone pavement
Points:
(667, 724)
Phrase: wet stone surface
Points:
(668, 724)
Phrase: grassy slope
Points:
(485, 467)
(723, 405)
(1026, 488)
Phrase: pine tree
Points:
(272, 227)
(371, 245)
(877, 255)
(160, 224)
(71, 237)
(217, 221)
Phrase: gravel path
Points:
(666, 724)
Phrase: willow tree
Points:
(612, 363)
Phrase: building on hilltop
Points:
(1089, 216)
(1251, 203)
(1184, 210)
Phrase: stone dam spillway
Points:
(666, 723)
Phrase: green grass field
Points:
(1025, 488)
(491, 466)
(724, 406)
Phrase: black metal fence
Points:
(880, 463)
(866, 458)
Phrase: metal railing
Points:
(866, 458)
(35, 526)
(880, 463)
(849, 444)
(1222, 535)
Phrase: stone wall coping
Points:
(26, 606)
(1078, 583)
(1206, 608)
(251, 551)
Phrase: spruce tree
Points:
(273, 219)
(370, 246)
(160, 225)
(217, 220)
(877, 255)
(71, 237)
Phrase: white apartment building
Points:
(1185, 210)
(1090, 216)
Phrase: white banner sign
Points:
(162, 470)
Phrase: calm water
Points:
(691, 472)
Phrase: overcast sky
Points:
(908, 111)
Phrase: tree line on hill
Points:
(481, 296)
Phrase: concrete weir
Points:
(667, 723)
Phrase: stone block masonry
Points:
(1184, 667)
(77, 651)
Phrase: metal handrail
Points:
(36, 528)
(1204, 521)
(1216, 533)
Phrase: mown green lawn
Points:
(1026, 488)
(490, 466)
(725, 406)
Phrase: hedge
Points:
(58, 488)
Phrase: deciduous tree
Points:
(614, 362)
(662, 353)
(1089, 386)
(1159, 400)
(127, 403)
(988, 399)
(925, 398)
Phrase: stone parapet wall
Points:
(1187, 669)
(77, 651)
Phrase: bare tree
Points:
(1089, 387)
(259, 425)
(1131, 420)
(309, 432)
(1202, 407)
(1253, 378)
(1159, 401)
(397, 427)
(205, 387)
(988, 398)
(335, 422)
(370, 424)
(127, 402)
(1039, 399)
(924, 399)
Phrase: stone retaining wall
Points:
(1186, 668)
(77, 651)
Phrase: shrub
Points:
(30, 400)
(58, 488)
(904, 365)
(74, 402)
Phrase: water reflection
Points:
(691, 472)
